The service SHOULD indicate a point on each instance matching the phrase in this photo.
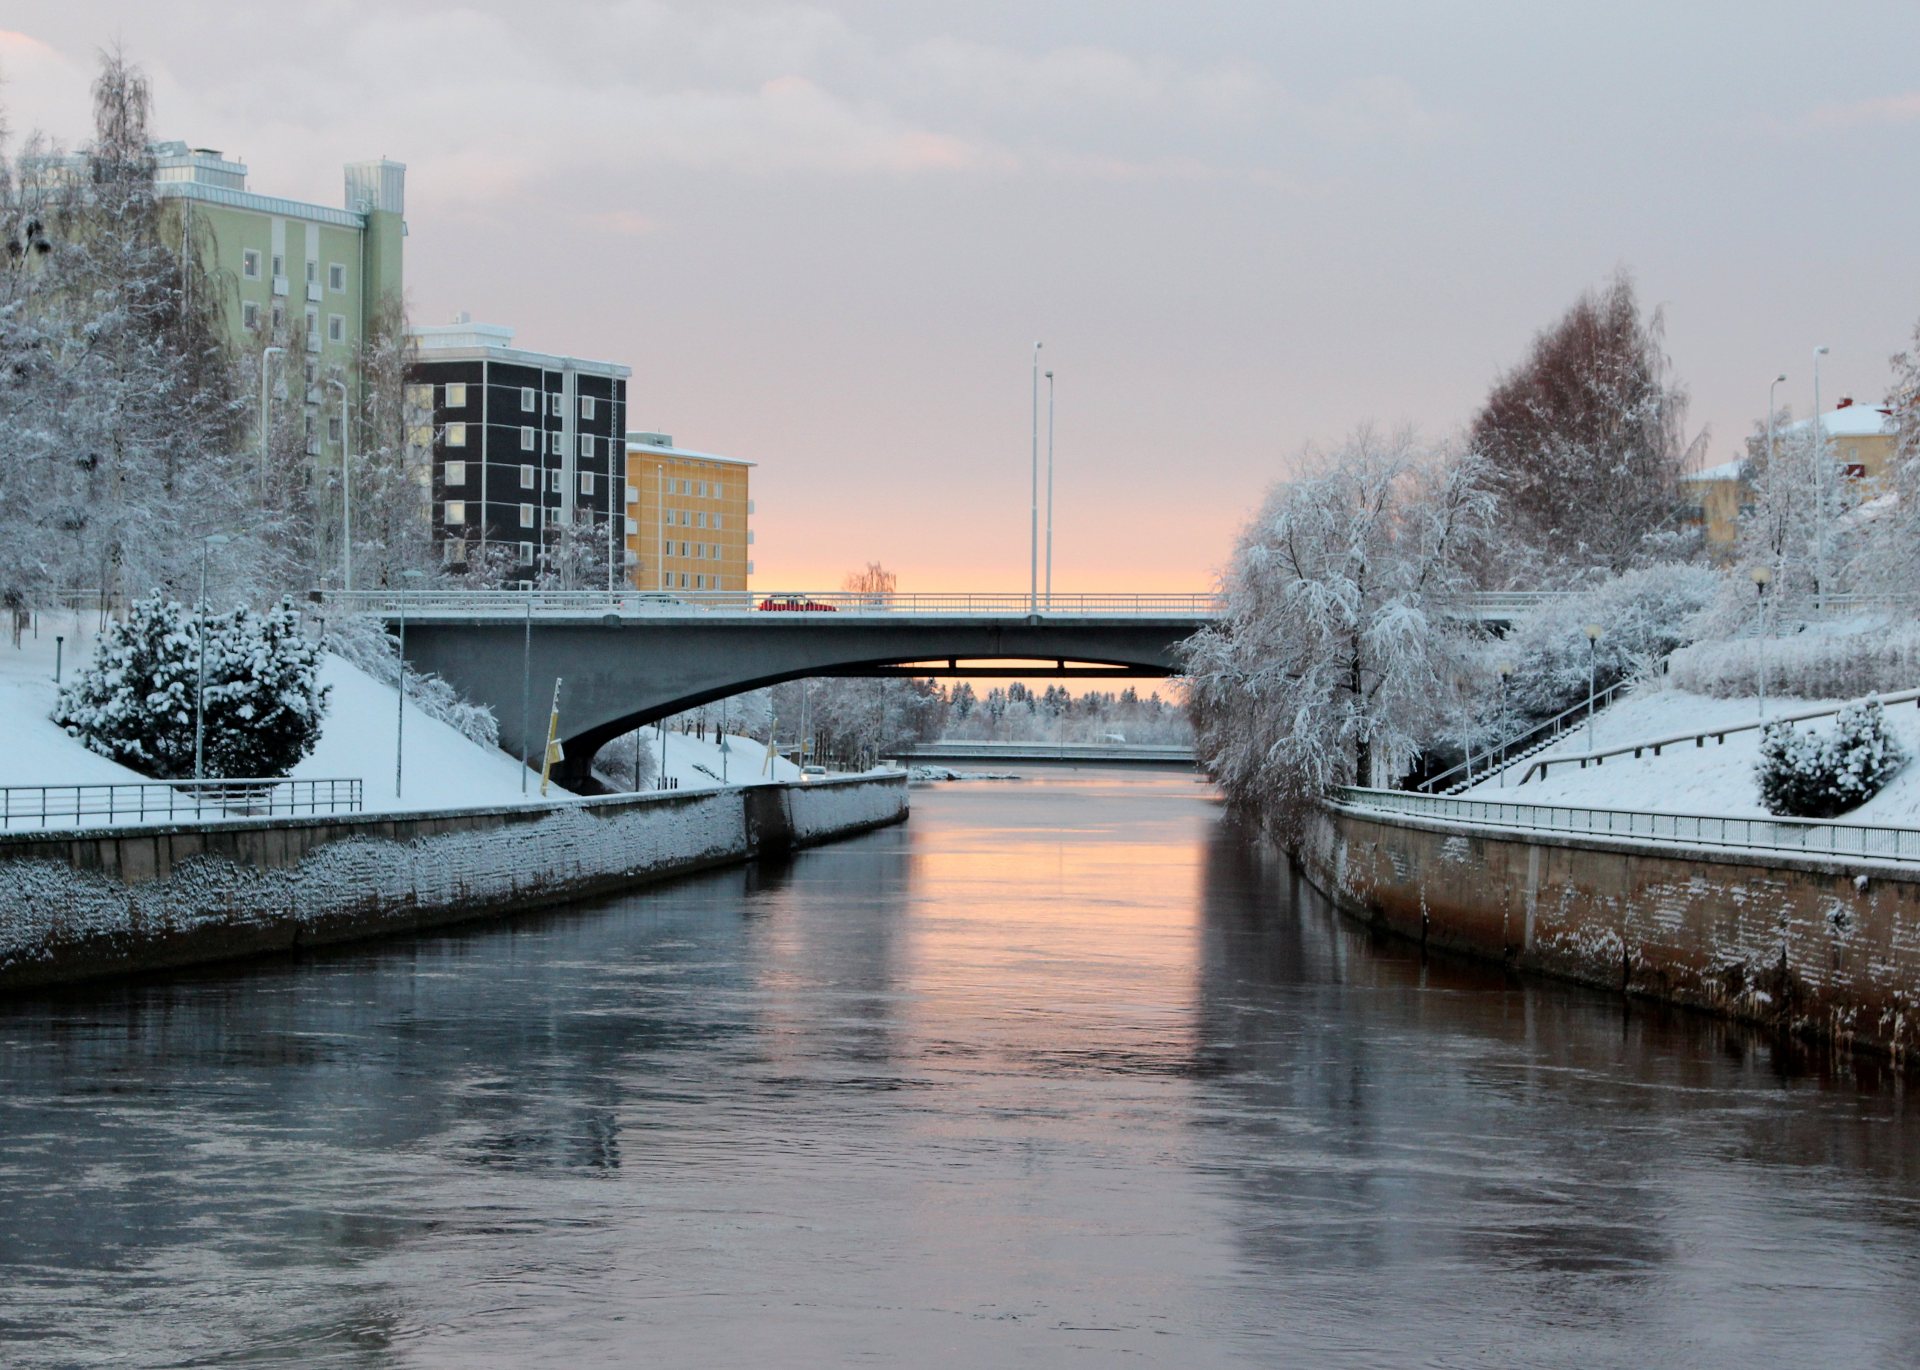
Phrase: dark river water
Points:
(1062, 1072)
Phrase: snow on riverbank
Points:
(1715, 779)
(443, 769)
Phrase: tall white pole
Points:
(266, 411)
(1033, 509)
(1049, 491)
(200, 690)
(1819, 487)
(400, 705)
(1771, 411)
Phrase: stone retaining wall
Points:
(1817, 947)
(76, 905)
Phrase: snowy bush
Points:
(1822, 775)
(1643, 616)
(363, 641)
(135, 702)
(628, 762)
(1804, 666)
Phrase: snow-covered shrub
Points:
(135, 702)
(1643, 615)
(1824, 774)
(1806, 665)
(616, 761)
(363, 641)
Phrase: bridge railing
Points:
(172, 801)
(680, 603)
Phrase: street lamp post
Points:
(1761, 577)
(1593, 646)
(526, 689)
(211, 540)
(1033, 494)
(1777, 380)
(1819, 486)
(346, 493)
(1505, 670)
(1049, 491)
(266, 422)
(400, 690)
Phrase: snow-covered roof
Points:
(1726, 470)
(1854, 421)
(637, 447)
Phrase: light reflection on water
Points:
(1061, 1072)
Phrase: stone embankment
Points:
(1818, 947)
(77, 905)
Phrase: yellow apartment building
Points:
(689, 517)
(1861, 437)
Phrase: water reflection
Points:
(1060, 1071)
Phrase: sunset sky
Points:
(825, 236)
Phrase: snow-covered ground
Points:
(443, 768)
(1716, 779)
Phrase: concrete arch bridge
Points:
(629, 658)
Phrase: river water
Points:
(1064, 1071)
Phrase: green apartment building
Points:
(303, 278)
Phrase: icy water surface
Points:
(1060, 1073)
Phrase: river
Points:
(1063, 1071)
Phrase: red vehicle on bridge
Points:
(795, 604)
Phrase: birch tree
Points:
(1339, 649)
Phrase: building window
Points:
(279, 316)
(699, 582)
(279, 264)
(336, 277)
(556, 444)
(683, 549)
(526, 439)
(420, 396)
(454, 551)
(526, 517)
(313, 272)
(716, 521)
(313, 329)
(456, 473)
(586, 482)
(526, 554)
(526, 478)
(713, 551)
(456, 512)
(553, 481)
(684, 515)
(456, 435)
(686, 487)
(586, 406)
(456, 396)
(527, 406)
(586, 446)
(250, 264)
(717, 495)
(683, 580)
(554, 406)
(249, 314)
(336, 328)
(700, 519)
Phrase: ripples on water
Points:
(1062, 1072)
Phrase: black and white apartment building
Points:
(525, 444)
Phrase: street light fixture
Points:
(1049, 491)
(1777, 380)
(1033, 507)
(266, 412)
(1819, 485)
(346, 492)
(1762, 577)
(400, 687)
(211, 540)
(1592, 631)
(1505, 671)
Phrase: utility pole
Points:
(1033, 509)
(1049, 491)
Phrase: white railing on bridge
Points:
(648, 603)
(1502, 604)
(1797, 836)
(985, 750)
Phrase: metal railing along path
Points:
(160, 801)
(1797, 836)
(1520, 746)
(1699, 737)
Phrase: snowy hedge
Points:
(1804, 666)
(135, 702)
(363, 641)
(1824, 774)
(1643, 615)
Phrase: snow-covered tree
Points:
(135, 702)
(1339, 648)
(1584, 444)
(1889, 559)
